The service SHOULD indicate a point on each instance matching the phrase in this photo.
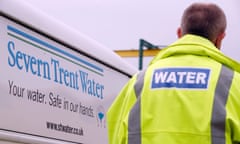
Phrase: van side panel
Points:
(51, 93)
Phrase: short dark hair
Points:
(206, 20)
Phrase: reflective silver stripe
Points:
(134, 121)
(219, 111)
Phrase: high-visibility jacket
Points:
(189, 94)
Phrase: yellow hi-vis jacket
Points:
(189, 94)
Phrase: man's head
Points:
(206, 20)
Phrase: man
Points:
(190, 92)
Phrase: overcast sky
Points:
(119, 24)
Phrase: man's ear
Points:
(179, 32)
(218, 42)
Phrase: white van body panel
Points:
(56, 83)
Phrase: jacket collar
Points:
(190, 39)
(196, 45)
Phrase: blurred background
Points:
(126, 26)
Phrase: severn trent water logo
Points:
(101, 117)
(56, 67)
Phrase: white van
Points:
(56, 84)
